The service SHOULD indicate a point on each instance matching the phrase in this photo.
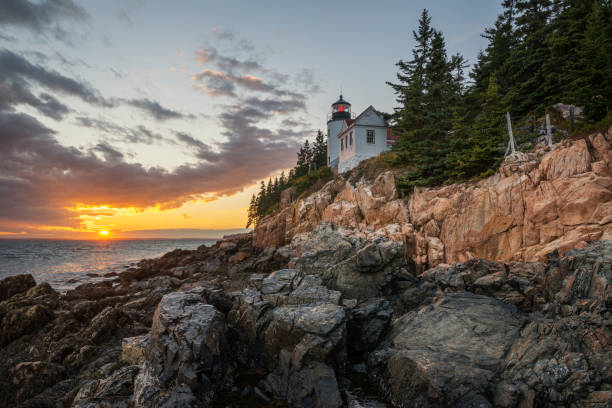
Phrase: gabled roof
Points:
(351, 122)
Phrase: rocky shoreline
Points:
(332, 319)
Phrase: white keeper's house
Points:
(353, 139)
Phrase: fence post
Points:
(548, 132)
(511, 144)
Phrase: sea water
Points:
(65, 264)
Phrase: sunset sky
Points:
(159, 118)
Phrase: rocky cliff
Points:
(331, 320)
(540, 202)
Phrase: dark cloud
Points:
(109, 153)
(17, 92)
(117, 133)
(157, 111)
(201, 150)
(282, 106)
(41, 178)
(16, 74)
(14, 67)
(218, 83)
(44, 17)
(39, 15)
(232, 73)
(227, 63)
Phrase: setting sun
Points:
(103, 233)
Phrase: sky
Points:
(159, 119)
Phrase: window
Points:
(342, 144)
(351, 138)
(370, 137)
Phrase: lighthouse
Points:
(353, 140)
(341, 112)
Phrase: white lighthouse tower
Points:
(341, 111)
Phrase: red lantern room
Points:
(341, 109)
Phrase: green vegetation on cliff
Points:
(309, 170)
(539, 53)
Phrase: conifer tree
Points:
(526, 76)
(502, 40)
(410, 89)
(591, 82)
(483, 151)
(261, 199)
(319, 148)
(252, 212)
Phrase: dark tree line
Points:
(310, 157)
(539, 53)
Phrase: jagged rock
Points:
(551, 200)
(186, 349)
(346, 263)
(323, 247)
(133, 349)
(13, 285)
(314, 385)
(377, 269)
(555, 363)
(447, 353)
(106, 325)
(367, 322)
(515, 283)
(292, 325)
(32, 377)
(114, 391)
(23, 313)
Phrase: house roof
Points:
(351, 122)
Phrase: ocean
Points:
(65, 264)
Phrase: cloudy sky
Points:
(135, 116)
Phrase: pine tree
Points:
(319, 150)
(304, 159)
(502, 39)
(591, 86)
(252, 212)
(431, 144)
(410, 89)
(528, 89)
(483, 152)
(261, 198)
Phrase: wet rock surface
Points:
(330, 320)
